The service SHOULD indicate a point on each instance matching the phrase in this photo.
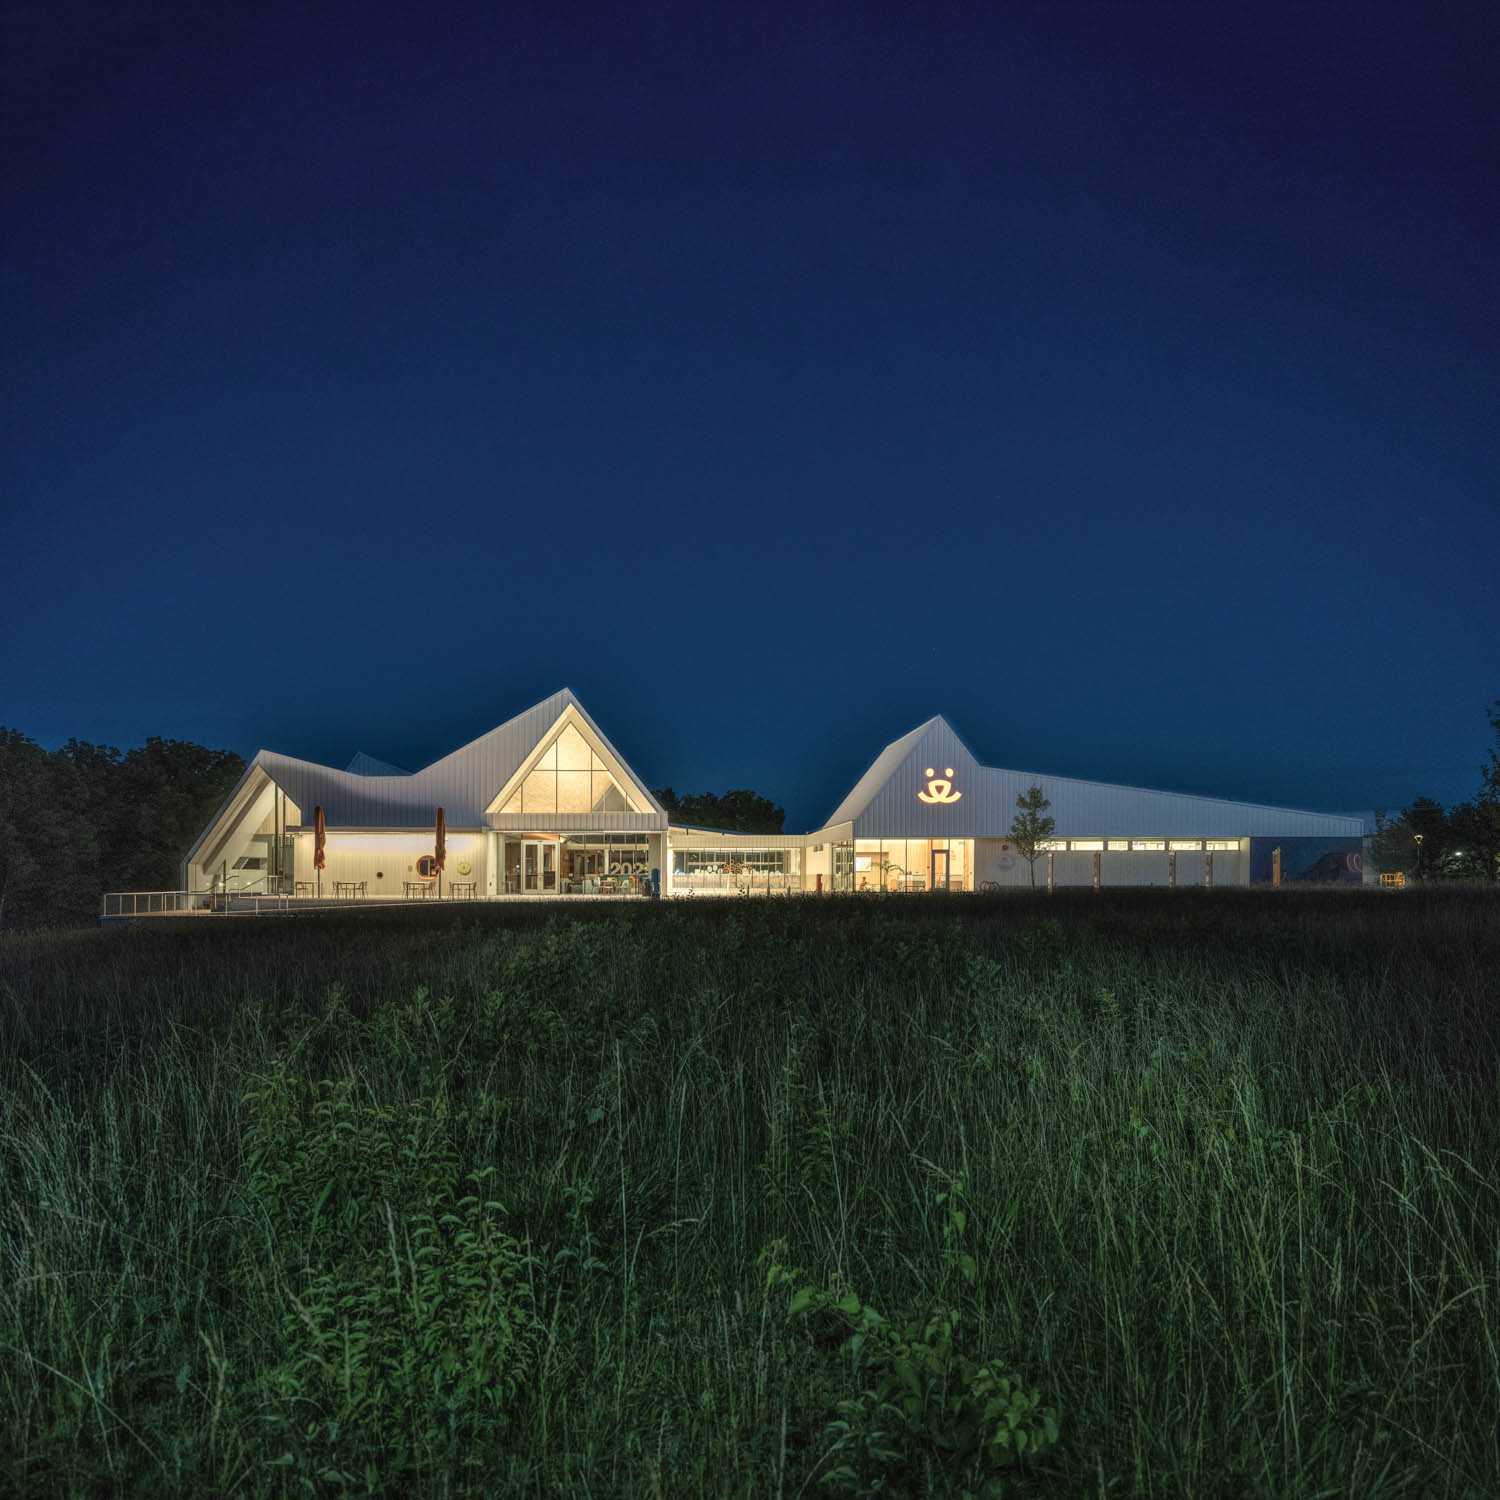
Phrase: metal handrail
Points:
(117, 905)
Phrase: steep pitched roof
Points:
(872, 783)
(367, 765)
(888, 801)
(463, 782)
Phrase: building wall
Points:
(817, 862)
(247, 825)
(1309, 861)
(997, 860)
(384, 861)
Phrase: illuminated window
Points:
(1141, 844)
(1087, 844)
(1118, 844)
(1227, 845)
(1053, 846)
(569, 777)
(427, 867)
(1182, 845)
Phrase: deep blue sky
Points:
(1119, 380)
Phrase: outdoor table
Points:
(348, 887)
(307, 887)
(462, 889)
(418, 888)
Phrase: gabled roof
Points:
(462, 783)
(872, 783)
(888, 801)
(367, 765)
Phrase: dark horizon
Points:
(1118, 383)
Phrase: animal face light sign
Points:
(939, 791)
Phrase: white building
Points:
(545, 805)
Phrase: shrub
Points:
(406, 1310)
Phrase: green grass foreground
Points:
(1169, 1194)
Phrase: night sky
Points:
(1118, 380)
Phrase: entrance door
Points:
(538, 866)
(940, 869)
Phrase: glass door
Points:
(529, 876)
(939, 870)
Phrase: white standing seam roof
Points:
(887, 801)
(367, 765)
(463, 783)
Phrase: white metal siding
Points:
(577, 822)
(1081, 809)
(463, 784)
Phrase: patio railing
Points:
(153, 903)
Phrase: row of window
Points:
(736, 861)
(1141, 846)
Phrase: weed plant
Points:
(1159, 1194)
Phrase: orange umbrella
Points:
(441, 849)
(320, 837)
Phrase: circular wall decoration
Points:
(463, 867)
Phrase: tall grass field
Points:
(1136, 1194)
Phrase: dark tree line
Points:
(734, 812)
(85, 819)
(1427, 841)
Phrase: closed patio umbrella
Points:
(320, 838)
(441, 849)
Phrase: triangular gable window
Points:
(570, 777)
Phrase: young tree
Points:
(1030, 828)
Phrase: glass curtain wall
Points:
(909, 865)
(570, 778)
(729, 870)
(581, 864)
(603, 864)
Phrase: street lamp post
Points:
(1418, 838)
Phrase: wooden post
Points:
(1049, 872)
(1172, 870)
(1208, 870)
(1097, 857)
(1276, 867)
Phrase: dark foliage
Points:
(86, 818)
(741, 811)
(1428, 842)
